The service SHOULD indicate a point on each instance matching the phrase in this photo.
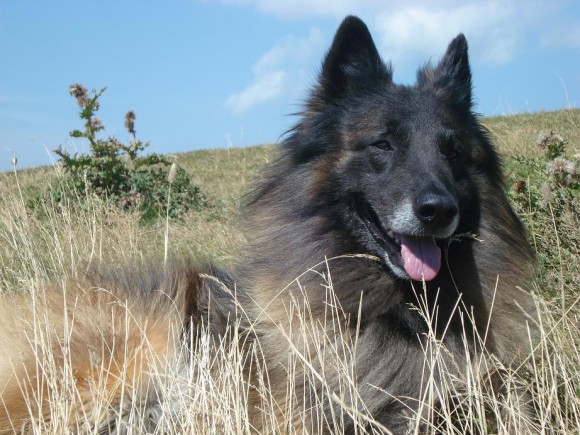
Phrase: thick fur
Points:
(368, 161)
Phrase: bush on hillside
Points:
(546, 194)
(122, 173)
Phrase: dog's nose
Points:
(436, 209)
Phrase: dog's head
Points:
(404, 158)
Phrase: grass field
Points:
(62, 239)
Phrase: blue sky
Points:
(209, 74)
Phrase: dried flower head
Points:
(80, 93)
(544, 138)
(562, 171)
(130, 122)
(520, 186)
(95, 123)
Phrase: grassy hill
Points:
(57, 240)
(225, 175)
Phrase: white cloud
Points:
(496, 29)
(565, 35)
(408, 33)
(265, 87)
(301, 8)
(423, 31)
(279, 71)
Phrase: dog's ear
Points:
(451, 78)
(352, 59)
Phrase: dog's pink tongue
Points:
(421, 257)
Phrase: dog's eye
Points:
(383, 144)
(454, 153)
(451, 149)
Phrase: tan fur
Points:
(108, 343)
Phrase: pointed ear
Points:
(451, 78)
(353, 55)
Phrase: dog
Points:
(388, 198)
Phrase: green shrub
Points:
(546, 193)
(120, 172)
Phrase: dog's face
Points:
(406, 179)
(404, 157)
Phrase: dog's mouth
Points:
(408, 256)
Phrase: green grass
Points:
(36, 248)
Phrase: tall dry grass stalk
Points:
(203, 387)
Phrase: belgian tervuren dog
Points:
(389, 196)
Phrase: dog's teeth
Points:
(390, 234)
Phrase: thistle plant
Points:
(546, 194)
(121, 172)
(562, 171)
(553, 144)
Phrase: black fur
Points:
(405, 176)
(363, 150)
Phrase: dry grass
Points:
(207, 392)
(516, 135)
